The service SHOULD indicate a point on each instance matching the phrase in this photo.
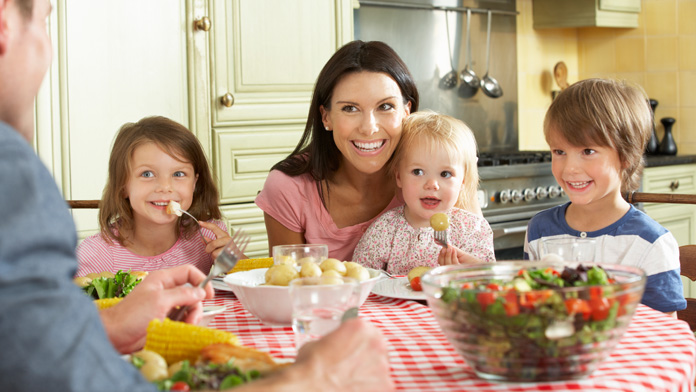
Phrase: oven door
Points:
(508, 239)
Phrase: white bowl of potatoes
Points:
(264, 291)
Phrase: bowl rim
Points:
(429, 278)
(377, 276)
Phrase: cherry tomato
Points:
(180, 386)
(485, 298)
(416, 284)
(467, 285)
(494, 286)
(529, 299)
(596, 292)
(578, 306)
(599, 308)
(552, 271)
(512, 308)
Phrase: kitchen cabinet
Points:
(265, 57)
(680, 219)
(585, 13)
(114, 62)
(238, 73)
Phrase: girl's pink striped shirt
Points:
(95, 255)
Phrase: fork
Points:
(175, 208)
(440, 236)
(225, 261)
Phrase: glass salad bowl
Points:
(534, 321)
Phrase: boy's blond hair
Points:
(443, 135)
(606, 113)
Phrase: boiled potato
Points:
(333, 264)
(283, 274)
(269, 272)
(331, 278)
(357, 272)
(286, 260)
(82, 281)
(175, 368)
(439, 221)
(309, 270)
(154, 367)
(307, 259)
(331, 273)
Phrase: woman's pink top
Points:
(96, 255)
(295, 203)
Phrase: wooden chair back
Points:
(83, 203)
(644, 197)
(687, 260)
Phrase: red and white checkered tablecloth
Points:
(657, 353)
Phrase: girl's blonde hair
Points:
(176, 140)
(443, 135)
(606, 113)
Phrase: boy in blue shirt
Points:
(597, 131)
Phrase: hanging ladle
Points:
(489, 85)
(468, 76)
(450, 80)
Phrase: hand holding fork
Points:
(225, 261)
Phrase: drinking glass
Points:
(299, 253)
(569, 248)
(318, 305)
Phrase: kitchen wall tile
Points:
(686, 14)
(661, 54)
(686, 148)
(687, 116)
(596, 56)
(630, 54)
(633, 77)
(687, 88)
(663, 87)
(660, 16)
(537, 88)
(600, 33)
(532, 120)
(687, 50)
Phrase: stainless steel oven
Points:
(514, 187)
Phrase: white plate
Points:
(397, 288)
(219, 284)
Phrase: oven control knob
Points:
(516, 196)
(528, 194)
(541, 193)
(505, 196)
(554, 192)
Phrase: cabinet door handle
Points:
(674, 185)
(202, 24)
(227, 100)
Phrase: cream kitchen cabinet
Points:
(585, 13)
(114, 62)
(680, 219)
(265, 56)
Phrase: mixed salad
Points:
(527, 319)
(207, 375)
(119, 286)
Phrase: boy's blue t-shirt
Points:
(635, 239)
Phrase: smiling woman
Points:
(335, 183)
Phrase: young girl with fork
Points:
(154, 162)
(435, 167)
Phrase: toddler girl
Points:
(435, 168)
(153, 162)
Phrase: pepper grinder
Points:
(668, 146)
(651, 147)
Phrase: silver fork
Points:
(225, 261)
(440, 236)
(181, 210)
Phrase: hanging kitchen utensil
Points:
(560, 73)
(489, 85)
(470, 81)
(450, 80)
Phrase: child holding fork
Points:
(153, 163)
(435, 167)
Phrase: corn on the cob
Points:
(176, 341)
(106, 302)
(250, 264)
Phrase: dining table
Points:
(657, 352)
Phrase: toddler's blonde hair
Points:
(443, 134)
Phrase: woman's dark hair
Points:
(316, 153)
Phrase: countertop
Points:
(668, 160)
